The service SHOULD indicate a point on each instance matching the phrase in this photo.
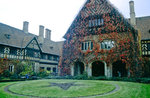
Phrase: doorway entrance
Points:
(119, 69)
(78, 68)
(98, 69)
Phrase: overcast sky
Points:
(56, 15)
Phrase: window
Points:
(25, 52)
(55, 58)
(11, 68)
(107, 44)
(54, 69)
(48, 69)
(99, 22)
(145, 45)
(96, 22)
(44, 56)
(1, 49)
(30, 53)
(41, 69)
(13, 51)
(7, 36)
(6, 50)
(90, 23)
(87, 45)
(36, 54)
(51, 47)
(18, 51)
(50, 57)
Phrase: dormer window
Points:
(51, 47)
(95, 22)
(7, 36)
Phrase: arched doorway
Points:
(98, 69)
(78, 68)
(119, 69)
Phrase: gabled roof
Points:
(35, 42)
(14, 37)
(94, 7)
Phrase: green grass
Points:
(89, 87)
(131, 90)
(41, 88)
(4, 94)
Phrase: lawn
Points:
(44, 88)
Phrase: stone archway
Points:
(119, 69)
(78, 68)
(98, 69)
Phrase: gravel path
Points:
(6, 89)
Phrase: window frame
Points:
(87, 45)
(107, 44)
(95, 21)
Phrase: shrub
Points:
(14, 76)
(83, 76)
(6, 73)
(42, 74)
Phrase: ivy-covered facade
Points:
(100, 42)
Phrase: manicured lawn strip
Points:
(41, 88)
(127, 90)
(130, 90)
(4, 94)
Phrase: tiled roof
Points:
(143, 23)
(14, 37)
(52, 47)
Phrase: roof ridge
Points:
(16, 29)
(143, 17)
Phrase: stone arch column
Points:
(106, 69)
(109, 70)
(72, 70)
(89, 69)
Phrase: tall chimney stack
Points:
(41, 34)
(25, 26)
(132, 13)
(48, 34)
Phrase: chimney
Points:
(132, 13)
(25, 26)
(48, 34)
(41, 34)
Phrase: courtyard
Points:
(52, 88)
